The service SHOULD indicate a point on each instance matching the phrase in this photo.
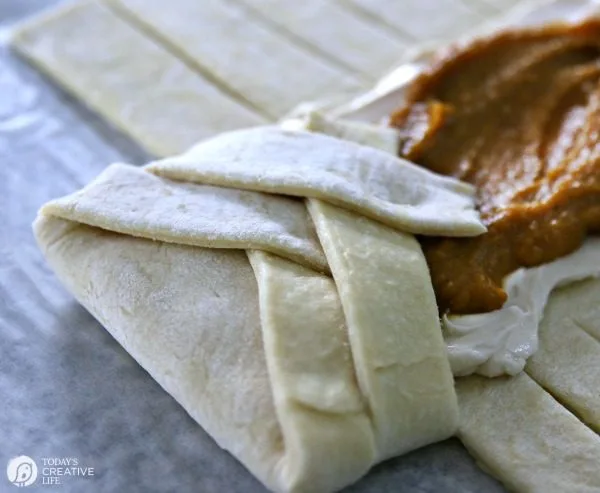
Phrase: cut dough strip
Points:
(382, 277)
(346, 375)
(360, 178)
(393, 325)
(377, 136)
(129, 200)
(130, 80)
(567, 363)
(583, 306)
(339, 32)
(319, 407)
(522, 436)
(274, 83)
(131, 74)
(422, 20)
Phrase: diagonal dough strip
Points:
(393, 326)
(359, 178)
(317, 401)
(525, 438)
(130, 80)
(268, 70)
(566, 363)
(391, 313)
(128, 200)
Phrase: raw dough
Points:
(345, 372)
(241, 51)
(190, 317)
(343, 34)
(349, 239)
(423, 20)
(526, 439)
(378, 270)
(583, 306)
(129, 79)
(567, 363)
(128, 200)
(372, 182)
(383, 138)
(321, 410)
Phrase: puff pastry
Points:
(270, 282)
(109, 64)
(224, 295)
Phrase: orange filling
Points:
(518, 116)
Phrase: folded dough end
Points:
(357, 177)
(129, 200)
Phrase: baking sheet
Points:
(68, 389)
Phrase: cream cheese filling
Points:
(500, 342)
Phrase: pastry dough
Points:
(241, 51)
(375, 183)
(319, 378)
(567, 362)
(349, 239)
(580, 302)
(150, 71)
(377, 270)
(320, 408)
(128, 200)
(378, 388)
(521, 435)
(129, 79)
(189, 316)
(197, 319)
(377, 136)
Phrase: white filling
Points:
(499, 342)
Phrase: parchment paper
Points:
(67, 389)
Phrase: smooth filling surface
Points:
(518, 116)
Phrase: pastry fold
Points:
(268, 279)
